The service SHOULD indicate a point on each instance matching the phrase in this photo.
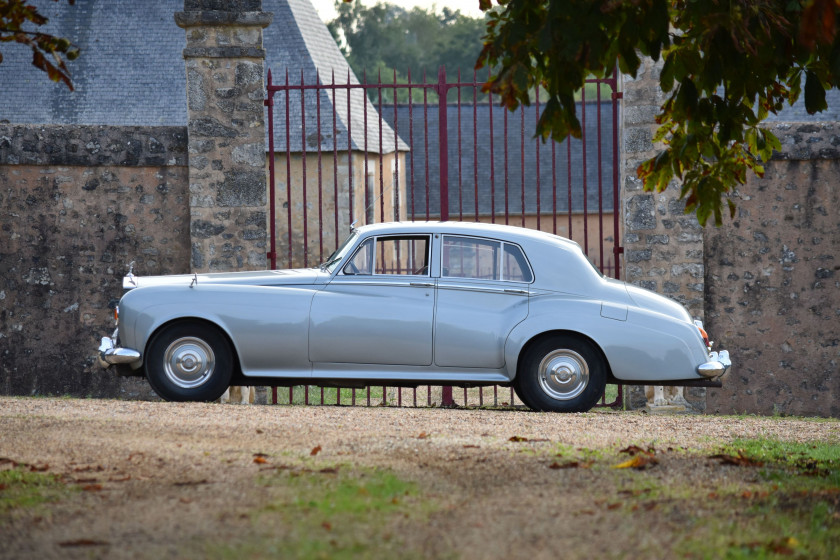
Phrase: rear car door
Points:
(482, 295)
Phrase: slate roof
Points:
(479, 165)
(131, 71)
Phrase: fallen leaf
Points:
(566, 465)
(92, 487)
(327, 525)
(632, 450)
(423, 435)
(739, 460)
(259, 459)
(39, 468)
(85, 480)
(518, 439)
(83, 542)
(185, 501)
(614, 505)
(259, 431)
(315, 450)
(329, 470)
(470, 446)
(638, 462)
(190, 482)
(784, 546)
(89, 468)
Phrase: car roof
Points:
(513, 234)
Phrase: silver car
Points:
(409, 304)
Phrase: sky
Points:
(327, 12)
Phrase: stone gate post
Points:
(226, 129)
(663, 246)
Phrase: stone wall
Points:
(77, 204)
(773, 282)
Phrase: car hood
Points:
(252, 278)
(652, 301)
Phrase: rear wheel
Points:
(561, 373)
(189, 361)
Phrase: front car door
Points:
(379, 308)
(482, 295)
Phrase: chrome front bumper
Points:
(110, 354)
(717, 365)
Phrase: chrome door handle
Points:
(517, 292)
(421, 284)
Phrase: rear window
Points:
(483, 259)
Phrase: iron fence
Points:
(368, 152)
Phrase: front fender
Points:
(268, 326)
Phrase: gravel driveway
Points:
(159, 476)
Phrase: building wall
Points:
(773, 282)
(327, 192)
(77, 204)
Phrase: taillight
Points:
(117, 314)
(704, 334)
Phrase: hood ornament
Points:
(130, 276)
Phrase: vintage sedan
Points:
(410, 304)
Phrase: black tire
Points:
(189, 361)
(578, 379)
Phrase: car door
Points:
(482, 295)
(379, 308)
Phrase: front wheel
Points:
(561, 373)
(189, 361)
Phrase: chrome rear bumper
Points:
(717, 365)
(110, 354)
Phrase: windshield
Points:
(336, 256)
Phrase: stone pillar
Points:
(226, 129)
(663, 246)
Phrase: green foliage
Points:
(47, 50)
(726, 66)
(385, 42)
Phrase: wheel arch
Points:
(563, 332)
(237, 372)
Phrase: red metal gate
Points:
(448, 158)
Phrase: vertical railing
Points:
(502, 174)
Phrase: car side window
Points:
(402, 255)
(467, 257)
(515, 266)
(362, 260)
(484, 259)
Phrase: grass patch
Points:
(22, 489)
(329, 513)
(780, 499)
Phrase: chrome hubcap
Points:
(189, 362)
(563, 374)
